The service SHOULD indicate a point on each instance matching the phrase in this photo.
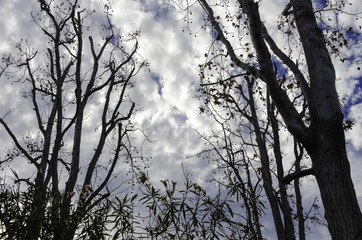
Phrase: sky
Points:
(169, 112)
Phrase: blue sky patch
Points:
(156, 79)
(159, 10)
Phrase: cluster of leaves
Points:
(109, 219)
(170, 212)
(188, 212)
(13, 211)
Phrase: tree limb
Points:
(290, 177)
(287, 8)
(17, 144)
(287, 61)
(252, 70)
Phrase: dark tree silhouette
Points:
(315, 120)
(72, 169)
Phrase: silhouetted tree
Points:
(311, 113)
(73, 163)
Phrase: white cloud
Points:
(355, 134)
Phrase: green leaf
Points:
(229, 209)
(348, 125)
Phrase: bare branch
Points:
(17, 144)
(114, 163)
(287, 8)
(287, 61)
(302, 173)
(252, 70)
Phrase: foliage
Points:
(189, 212)
(169, 212)
(109, 219)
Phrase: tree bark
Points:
(327, 149)
(332, 171)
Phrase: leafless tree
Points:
(73, 163)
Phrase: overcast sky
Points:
(170, 113)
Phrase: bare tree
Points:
(318, 124)
(73, 168)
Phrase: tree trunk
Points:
(264, 159)
(298, 194)
(332, 171)
(327, 149)
(284, 203)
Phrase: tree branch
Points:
(287, 61)
(287, 8)
(290, 177)
(210, 13)
(17, 144)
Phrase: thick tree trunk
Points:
(332, 171)
(327, 148)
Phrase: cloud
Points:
(165, 95)
(354, 135)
